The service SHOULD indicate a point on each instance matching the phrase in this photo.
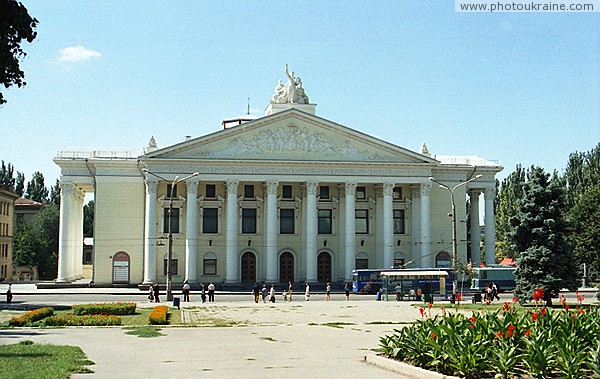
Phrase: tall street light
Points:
(170, 254)
(454, 242)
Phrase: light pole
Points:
(170, 230)
(454, 242)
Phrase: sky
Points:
(516, 88)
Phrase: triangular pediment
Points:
(291, 135)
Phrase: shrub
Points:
(158, 316)
(86, 320)
(116, 309)
(31, 317)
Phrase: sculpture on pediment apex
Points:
(424, 150)
(290, 93)
(152, 142)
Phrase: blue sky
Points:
(511, 87)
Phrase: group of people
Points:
(269, 294)
(154, 292)
(491, 292)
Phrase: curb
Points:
(404, 368)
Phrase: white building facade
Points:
(286, 197)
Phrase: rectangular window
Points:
(174, 220)
(249, 191)
(171, 191)
(361, 193)
(361, 263)
(210, 220)
(397, 194)
(286, 192)
(325, 221)
(211, 191)
(399, 221)
(210, 266)
(286, 221)
(248, 221)
(362, 221)
(174, 267)
(324, 192)
(87, 255)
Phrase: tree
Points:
(585, 235)
(545, 257)
(509, 193)
(582, 173)
(55, 194)
(88, 219)
(7, 179)
(20, 187)
(36, 190)
(16, 25)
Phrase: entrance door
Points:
(324, 267)
(286, 267)
(121, 268)
(248, 267)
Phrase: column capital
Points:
(415, 192)
(350, 189)
(425, 189)
(192, 185)
(311, 188)
(232, 186)
(474, 192)
(151, 186)
(489, 193)
(388, 189)
(272, 187)
(341, 191)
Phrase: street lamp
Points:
(454, 242)
(170, 254)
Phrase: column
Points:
(388, 226)
(490, 238)
(150, 233)
(350, 229)
(475, 228)
(341, 224)
(379, 221)
(191, 232)
(232, 272)
(64, 234)
(271, 232)
(426, 254)
(78, 235)
(311, 232)
(415, 210)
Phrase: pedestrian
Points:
(9, 294)
(151, 293)
(156, 292)
(272, 293)
(290, 291)
(328, 292)
(256, 292)
(186, 291)
(347, 287)
(265, 292)
(307, 292)
(211, 292)
(488, 292)
(202, 293)
(495, 291)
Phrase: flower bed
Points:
(31, 317)
(158, 316)
(86, 320)
(116, 309)
(503, 344)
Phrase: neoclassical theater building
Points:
(289, 196)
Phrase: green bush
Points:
(116, 309)
(86, 320)
(31, 317)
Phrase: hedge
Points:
(86, 320)
(31, 317)
(116, 309)
(158, 316)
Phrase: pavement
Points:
(298, 339)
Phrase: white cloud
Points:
(77, 54)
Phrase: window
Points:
(210, 220)
(361, 263)
(249, 191)
(248, 221)
(211, 191)
(324, 221)
(174, 266)
(362, 221)
(171, 191)
(397, 194)
(399, 221)
(361, 193)
(87, 255)
(286, 221)
(174, 220)
(398, 262)
(324, 192)
(286, 192)
(210, 266)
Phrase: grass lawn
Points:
(28, 360)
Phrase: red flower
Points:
(567, 307)
(543, 312)
(563, 300)
(580, 310)
(515, 299)
(506, 306)
(538, 294)
(422, 310)
(500, 334)
(472, 319)
(534, 316)
(510, 331)
(434, 336)
(458, 296)
(527, 333)
(429, 305)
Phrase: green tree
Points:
(20, 186)
(585, 235)
(7, 178)
(581, 174)
(36, 190)
(545, 257)
(88, 219)
(16, 25)
(509, 192)
(55, 194)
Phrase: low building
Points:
(7, 206)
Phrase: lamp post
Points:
(454, 242)
(170, 230)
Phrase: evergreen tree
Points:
(20, 187)
(545, 257)
(585, 234)
(509, 193)
(88, 219)
(36, 190)
(7, 179)
(55, 194)
(581, 174)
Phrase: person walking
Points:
(211, 292)
(9, 295)
(156, 292)
(186, 291)
(265, 292)
(307, 292)
(256, 292)
(347, 288)
(202, 293)
(272, 293)
(151, 293)
(328, 292)
(290, 287)
(495, 291)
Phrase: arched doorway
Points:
(443, 260)
(248, 267)
(286, 267)
(324, 267)
(120, 268)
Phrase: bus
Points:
(504, 277)
(407, 283)
(368, 281)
